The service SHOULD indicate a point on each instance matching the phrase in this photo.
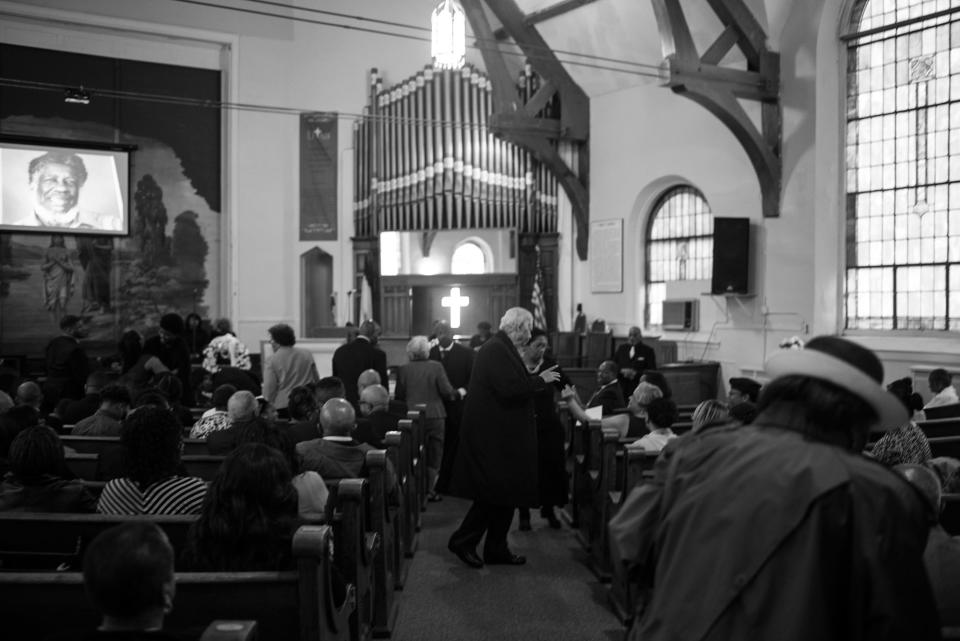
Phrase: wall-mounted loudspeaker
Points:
(731, 256)
(680, 315)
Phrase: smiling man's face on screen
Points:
(57, 188)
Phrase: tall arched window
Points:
(468, 258)
(679, 244)
(903, 166)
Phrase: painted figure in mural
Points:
(96, 258)
(57, 278)
(55, 181)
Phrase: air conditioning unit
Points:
(681, 315)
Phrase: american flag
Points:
(536, 297)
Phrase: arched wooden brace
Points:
(717, 88)
(518, 123)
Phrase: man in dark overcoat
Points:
(457, 361)
(351, 359)
(496, 461)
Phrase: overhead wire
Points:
(482, 44)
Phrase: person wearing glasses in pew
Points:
(781, 529)
(633, 423)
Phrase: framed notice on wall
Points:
(606, 256)
(318, 176)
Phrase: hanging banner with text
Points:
(606, 256)
(318, 176)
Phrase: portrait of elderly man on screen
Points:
(55, 183)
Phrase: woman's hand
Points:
(549, 375)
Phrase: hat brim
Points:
(817, 364)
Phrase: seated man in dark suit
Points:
(242, 408)
(337, 454)
(609, 395)
(326, 388)
(114, 404)
(377, 419)
(304, 415)
(372, 377)
(128, 573)
(942, 554)
(71, 412)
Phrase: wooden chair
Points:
(297, 604)
(950, 514)
(419, 417)
(382, 518)
(86, 466)
(943, 411)
(97, 444)
(586, 479)
(945, 446)
(418, 468)
(604, 484)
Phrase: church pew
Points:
(97, 444)
(604, 484)
(940, 427)
(406, 457)
(950, 514)
(204, 466)
(634, 466)
(40, 540)
(419, 417)
(296, 604)
(945, 446)
(586, 478)
(382, 517)
(402, 522)
(418, 467)
(348, 507)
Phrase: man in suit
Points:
(377, 419)
(350, 360)
(337, 454)
(457, 361)
(609, 395)
(66, 361)
(633, 358)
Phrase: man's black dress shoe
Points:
(506, 559)
(467, 555)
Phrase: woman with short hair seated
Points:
(248, 517)
(151, 441)
(35, 482)
(661, 415)
(710, 413)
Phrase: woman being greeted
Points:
(550, 462)
(425, 381)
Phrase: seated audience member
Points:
(215, 418)
(632, 423)
(35, 482)
(661, 414)
(367, 378)
(6, 402)
(311, 490)
(146, 370)
(710, 413)
(328, 387)
(743, 389)
(24, 413)
(248, 516)
(372, 377)
(743, 413)
(304, 415)
(377, 419)
(151, 445)
(941, 384)
(129, 577)
(609, 395)
(942, 554)
(268, 412)
(225, 349)
(337, 455)
(242, 408)
(904, 443)
(172, 389)
(657, 378)
(71, 412)
(106, 421)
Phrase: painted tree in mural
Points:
(188, 252)
(160, 280)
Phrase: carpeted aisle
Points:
(554, 597)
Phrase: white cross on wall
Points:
(455, 301)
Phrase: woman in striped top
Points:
(151, 440)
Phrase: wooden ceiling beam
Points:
(546, 13)
(718, 88)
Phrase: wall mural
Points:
(171, 259)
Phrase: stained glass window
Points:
(903, 166)
(679, 244)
